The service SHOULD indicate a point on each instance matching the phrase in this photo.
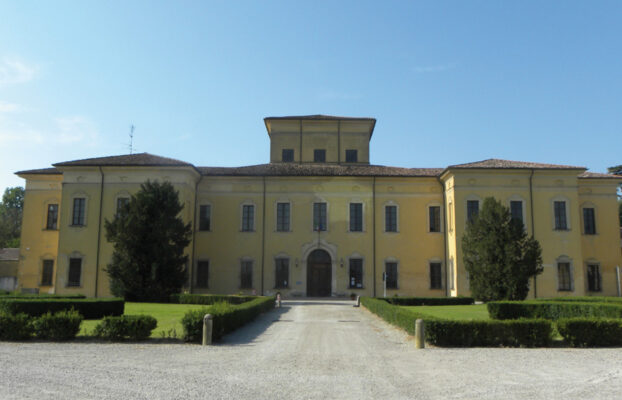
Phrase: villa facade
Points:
(320, 220)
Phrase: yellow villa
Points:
(320, 220)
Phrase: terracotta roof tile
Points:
(140, 159)
(42, 171)
(598, 175)
(294, 169)
(495, 163)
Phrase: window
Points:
(564, 278)
(246, 275)
(47, 273)
(205, 217)
(248, 218)
(589, 222)
(560, 215)
(79, 208)
(356, 217)
(122, 202)
(435, 218)
(282, 217)
(593, 278)
(351, 156)
(391, 275)
(319, 155)
(281, 273)
(436, 280)
(390, 218)
(75, 272)
(356, 273)
(52, 221)
(319, 216)
(472, 209)
(287, 155)
(516, 210)
(202, 274)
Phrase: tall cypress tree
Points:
(149, 238)
(498, 255)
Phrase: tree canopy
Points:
(499, 256)
(149, 238)
(617, 169)
(11, 211)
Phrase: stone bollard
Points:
(208, 323)
(419, 334)
(358, 301)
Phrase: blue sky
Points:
(449, 82)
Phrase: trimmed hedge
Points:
(429, 301)
(584, 299)
(227, 317)
(132, 327)
(15, 327)
(9, 295)
(443, 332)
(209, 299)
(88, 308)
(63, 325)
(591, 332)
(552, 310)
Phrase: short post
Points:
(278, 300)
(208, 323)
(358, 301)
(419, 334)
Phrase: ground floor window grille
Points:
(356, 273)
(391, 275)
(593, 278)
(564, 278)
(246, 275)
(75, 272)
(281, 273)
(47, 273)
(436, 281)
(202, 274)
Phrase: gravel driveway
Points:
(305, 350)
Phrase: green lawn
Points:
(478, 312)
(168, 315)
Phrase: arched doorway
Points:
(319, 274)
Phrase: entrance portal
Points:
(319, 274)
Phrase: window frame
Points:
(348, 155)
(431, 275)
(201, 227)
(313, 225)
(319, 155)
(70, 283)
(283, 152)
(197, 282)
(395, 226)
(43, 272)
(593, 220)
(599, 276)
(245, 263)
(397, 274)
(83, 213)
(362, 217)
(570, 284)
(54, 226)
(286, 226)
(554, 220)
(429, 208)
(471, 201)
(286, 267)
(243, 219)
(362, 275)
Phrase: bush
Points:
(63, 325)
(88, 308)
(591, 332)
(429, 301)
(15, 327)
(442, 332)
(16, 295)
(227, 317)
(585, 299)
(209, 299)
(133, 327)
(552, 310)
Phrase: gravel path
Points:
(306, 350)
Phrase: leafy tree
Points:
(149, 238)
(499, 256)
(617, 169)
(11, 210)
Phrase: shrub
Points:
(133, 327)
(88, 308)
(584, 299)
(208, 299)
(552, 310)
(227, 317)
(15, 327)
(16, 295)
(591, 332)
(429, 301)
(63, 325)
(442, 332)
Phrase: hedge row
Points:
(208, 299)
(15, 295)
(227, 317)
(429, 301)
(132, 327)
(88, 308)
(591, 332)
(441, 332)
(552, 310)
(585, 299)
(63, 325)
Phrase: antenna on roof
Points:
(131, 139)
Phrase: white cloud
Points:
(14, 71)
(434, 68)
(6, 107)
